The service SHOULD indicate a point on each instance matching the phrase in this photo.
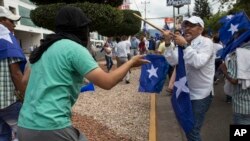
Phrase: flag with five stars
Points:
(181, 99)
(232, 26)
(234, 32)
(153, 75)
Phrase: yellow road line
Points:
(152, 125)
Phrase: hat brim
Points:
(191, 21)
(14, 17)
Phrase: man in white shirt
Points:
(199, 62)
(122, 50)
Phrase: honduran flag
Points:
(9, 47)
(181, 99)
(153, 75)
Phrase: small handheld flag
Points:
(153, 75)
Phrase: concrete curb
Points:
(153, 119)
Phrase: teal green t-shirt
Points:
(54, 86)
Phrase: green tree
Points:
(241, 5)
(106, 19)
(129, 26)
(213, 21)
(99, 14)
(114, 3)
(202, 9)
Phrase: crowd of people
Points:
(51, 80)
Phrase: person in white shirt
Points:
(122, 50)
(199, 63)
(108, 53)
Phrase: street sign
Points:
(178, 2)
(169, 20)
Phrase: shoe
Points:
(127, 82)
(228, 99)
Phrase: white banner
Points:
(178, 2)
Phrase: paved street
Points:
(216, 126)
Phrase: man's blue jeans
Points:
(109, 62)
(199, 107)
(241, 119)
(8, 121)
(5, 131)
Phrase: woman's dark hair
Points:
(71, 23)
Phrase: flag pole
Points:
(156, 27)
(246, 14)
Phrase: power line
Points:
(136, 6)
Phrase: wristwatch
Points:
(185, 46)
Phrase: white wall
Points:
(28, 40)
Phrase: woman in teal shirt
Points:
(57, 70)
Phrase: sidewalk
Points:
(164, 127)
(216, 124)
(167, 126)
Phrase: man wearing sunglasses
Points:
(12, 62)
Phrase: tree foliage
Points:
(129, 26)
(113, 3)
(202, 9)
(213, 22)
(106, 20)
(241, 5)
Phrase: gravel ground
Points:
(122, 112)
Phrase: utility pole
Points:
(188, 11)
(145, 8)
(145, 16)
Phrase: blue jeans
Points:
(241, 119)
(199, 107)
(109, 62)
(5, 131)
(8, 121)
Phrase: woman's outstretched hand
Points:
(139, 60)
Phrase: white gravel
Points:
(122, 108)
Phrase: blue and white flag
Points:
(10, 48)
(153, 75)
(226, 18)
(181, 98)
(238, 22)
(234, 32)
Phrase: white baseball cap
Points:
(195, 20)
(4, 12)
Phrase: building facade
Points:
(125, 5)
(26, 32)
